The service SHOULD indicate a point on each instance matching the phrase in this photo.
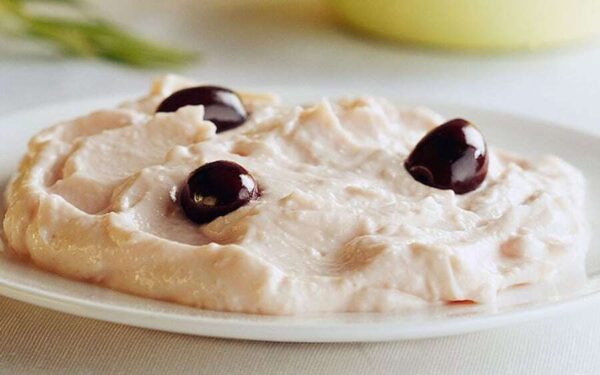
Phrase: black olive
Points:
(216, 189)
(222, 106)
(451, 156)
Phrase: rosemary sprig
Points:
(86, 36)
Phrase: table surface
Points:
(251, 43)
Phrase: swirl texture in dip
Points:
(340, 225)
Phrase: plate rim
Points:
(281, 331)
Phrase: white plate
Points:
(22, 282)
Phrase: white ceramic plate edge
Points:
(281, 332)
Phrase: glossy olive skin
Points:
(216, 189)
(452, 156)
(222, 106)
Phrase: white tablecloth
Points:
(249, 44)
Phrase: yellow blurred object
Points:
(475, 24)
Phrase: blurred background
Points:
(510, 62)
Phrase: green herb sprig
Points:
(85, 35)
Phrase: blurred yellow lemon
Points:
(475, 24)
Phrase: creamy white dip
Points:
(340, 226)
